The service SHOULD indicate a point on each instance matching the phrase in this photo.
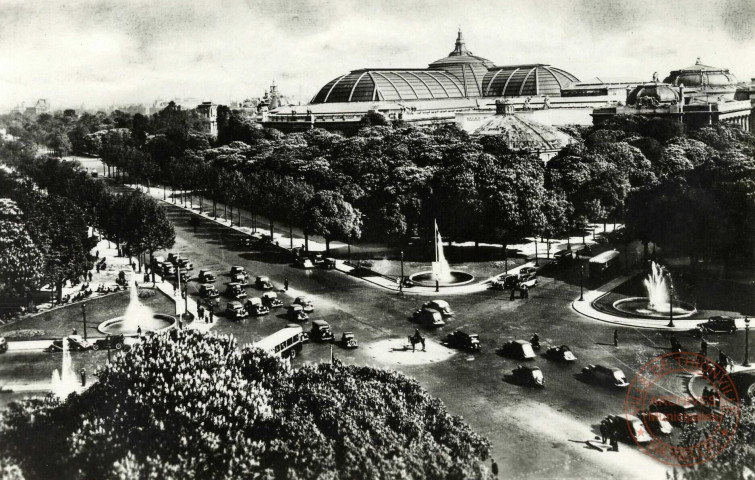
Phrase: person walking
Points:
(200, 312)
(494, 467)
(212, 314)
(74, 331)
(90, 276)
(614, 442)
(513, 293)
(139, 330)
(285, 284)
(616, 337)
(525, 293)
(603, 431)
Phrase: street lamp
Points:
(537, 262)
(107, 340)
(84, 313)
(401, 279)
(746, 363)
(671, 310)
(581, 283)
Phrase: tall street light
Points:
(581, 283)
(671, 310)
(746, 363)
(401, 279)
(84, 313)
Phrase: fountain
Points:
(657, 304)
(137, 315)
(441, 269)
(64, 382)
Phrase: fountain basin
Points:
(157, 323)
(639, 307)
(454, 278)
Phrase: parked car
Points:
(528, 280)
(169, 271)
(562, 353)
(464, 341)
(306, 303)
(3, 345)
(505, 282)
(718, 324)
(235, 290)
(328, 264)
(656, 422)
(240, 278)
(238, 269)
(628, 428)
(520, 349)
(75, 342)
(111, 341)
(177, 260)
(678, 411)
(263, 283)
(428, 317)
(304, 262)
(563, 257)
(208, 292)
(235, 311)
(528, 376)
(528, 271)
(206, 276)
(302, 334)
(297, 314)
(255, 307)
(246, 242)
(317, 259)
(271, 300)
(321, 331)
(158, 262)
(441, 306)
(348, 340)
(610, 376)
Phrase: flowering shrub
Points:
(184, 404)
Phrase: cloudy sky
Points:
(104, 52)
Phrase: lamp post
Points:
(746, 363)
(401, 279)
(107, 340)
(581, 283)
(537, 262)
(84, 314)
(671, 310)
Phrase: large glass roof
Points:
(525, 80)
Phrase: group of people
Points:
(206, 315)
(524, 291)
(608, 435)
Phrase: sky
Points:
(116, 52)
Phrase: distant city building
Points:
(41, 106)
(184, 103)
(208, 111)
(271, 100)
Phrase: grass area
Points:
(61, 321)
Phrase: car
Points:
(328, 264)
(255, 307)
(177, 260)
(75, 342)
(302, 334)
(504, 282)
(677, 410)
(321, 331)
(601, 240)
(304, 262)
(206, 276)
(238, 269)
(169, 271)
(240, 278)
(610, 376)
(528, 376)
(246, 242)
(562, 353)
(528, 271)
(348, 340)
(3, 345)
(271, 300)
(184, 275)
(563, 257)
(441, 306)
(235, 311)
(317, 259)
(718, 324)
(306, 303)
(158, 262)
(628, 427)
(235, 290)
(428, 317)
(656, 422)
(111, 341)
(529, 280)
(263, 283)
(520, 349)
(464, 341)
(208, 291)
(297, 314)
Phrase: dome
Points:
(468, 68)
(653, 94)
(523, 133)
(526, 80)
(702, 76)
(369, 85)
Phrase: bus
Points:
(285, 343)
(604, 263)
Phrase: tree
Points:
(329, 215)
(149, 228)
(153, 414)
(21, 262)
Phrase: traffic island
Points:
(398, 351)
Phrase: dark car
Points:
(562, 353)
(520, 349)
(441, 306)
(240, 278)
(348, 340)
(3, 345)
(718, 324)
(321, 331)
(610, 376)
(271, 300)
(304, 262)
(563, 257)
(527, 271)
(464, 341)
(306, 303)
(505, 282)
(428, 317)
(317, 259)
(75, 342)
(628, 427)
(656, 422)
(112, 341)
(328, 264)
(235, 290)
(528, 376)
(235, 311)
(238, 269)
(255, 307)
(208, 291)
(678, 411)
(179, 261)
(206, 276)
(263, 283)
(297, 314)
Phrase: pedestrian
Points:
(97, 266)
(139, 330)
(212, 314)
(603, 431)
(513, 293)
(74, 331)
(616, 337)
(97, 254)
(614, 442)
(90, 276)
(146, 277)
(525, 292)
(200, 312)
(703, 348)
(285, 284)
(673, 341)
(180, 323)
(83, 377)
(494, 467)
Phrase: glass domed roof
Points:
(702, 76)
(522, 133)
(524, 80)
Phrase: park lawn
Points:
(61, 321)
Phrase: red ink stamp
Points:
(679, 389)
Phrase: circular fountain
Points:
(441, 271)
(658, 303)
(137, 317)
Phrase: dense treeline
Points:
(191, 405)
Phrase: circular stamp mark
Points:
(713, 407)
